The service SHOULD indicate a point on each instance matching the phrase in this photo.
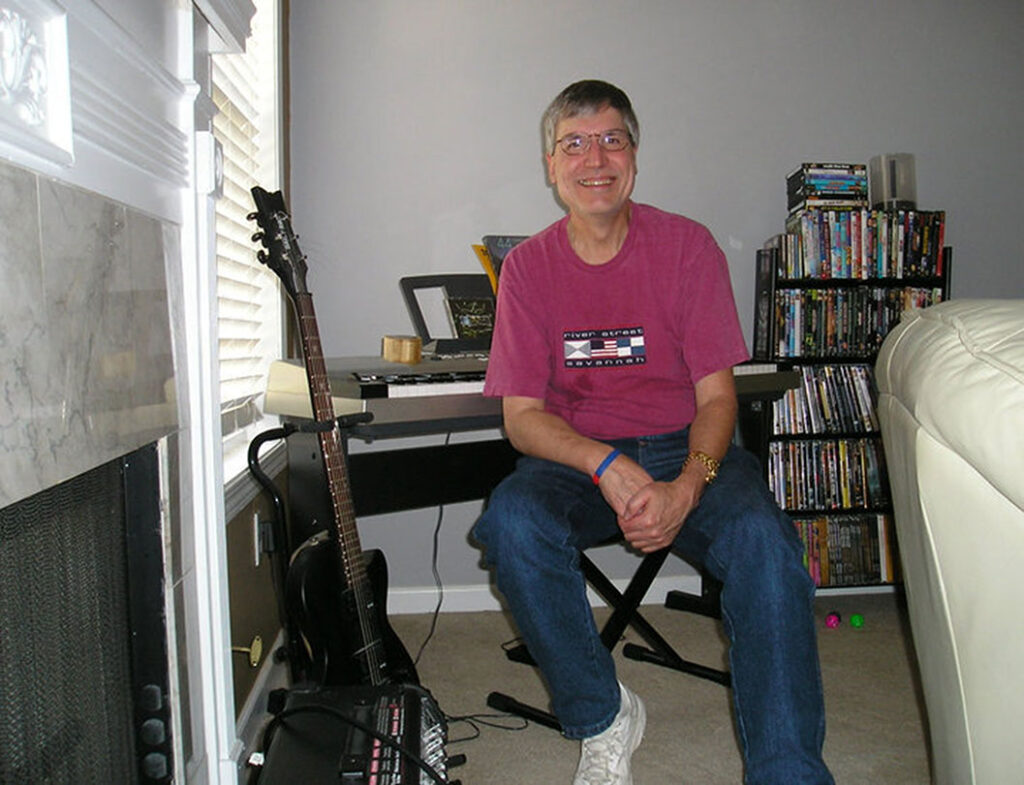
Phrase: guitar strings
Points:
(337, 476)
(337, 479)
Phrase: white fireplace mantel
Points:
(97, 122)
(106, 314)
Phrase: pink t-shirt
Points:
(615, 349)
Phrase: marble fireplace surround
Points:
(108, 271)
(86, 345)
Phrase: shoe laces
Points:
(600, 758)
(602, 754)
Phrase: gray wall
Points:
(415, 130)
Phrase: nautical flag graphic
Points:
(602, 348)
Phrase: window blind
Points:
(245, 90)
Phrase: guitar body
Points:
(326, 617)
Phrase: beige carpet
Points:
(876, 731)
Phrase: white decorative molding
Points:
(125, 101)
(35, 96)
(209, 165)
(230, 19)
(122, 126)
(111, 120)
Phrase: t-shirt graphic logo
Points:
(604, 348)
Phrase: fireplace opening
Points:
(83, 642)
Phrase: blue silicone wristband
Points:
(596, 476)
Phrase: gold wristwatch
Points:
(710, 464)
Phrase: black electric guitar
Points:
(336, 592)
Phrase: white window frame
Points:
(250, 312)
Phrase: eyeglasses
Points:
(578, 144)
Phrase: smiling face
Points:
(597, 184)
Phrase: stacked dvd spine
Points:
(827, 185)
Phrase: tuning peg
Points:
(252, 216)
(258, 237)
(262, 256)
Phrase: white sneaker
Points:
(604, 758)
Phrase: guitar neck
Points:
(350, 551)
(330, 442)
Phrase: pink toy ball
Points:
(833, 620)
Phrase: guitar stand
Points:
(274, 534)
(274, 541)
(343, 422)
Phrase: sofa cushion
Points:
(961, 374)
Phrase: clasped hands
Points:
(650, 513)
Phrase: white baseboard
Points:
(839, 591)
(483, 597)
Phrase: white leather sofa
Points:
(951, 406)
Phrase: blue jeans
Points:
(541, 516)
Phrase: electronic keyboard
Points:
(439, 390)
(445, 389)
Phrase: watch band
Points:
(710, 464)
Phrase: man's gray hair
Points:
(588, 97)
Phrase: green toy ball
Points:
(856, 620)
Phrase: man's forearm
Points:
(713, 428)
(536, 432)
(711, 433)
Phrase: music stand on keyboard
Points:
(447, 291)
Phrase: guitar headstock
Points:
(282, 254)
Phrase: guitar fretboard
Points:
(350, 551)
